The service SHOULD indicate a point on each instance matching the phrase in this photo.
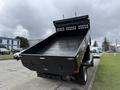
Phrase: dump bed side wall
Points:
(39, 45)
(82, 49)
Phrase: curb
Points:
(6, 59)
(93, 77)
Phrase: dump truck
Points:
(65, 54)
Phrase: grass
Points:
(108, 73)
(6, 57)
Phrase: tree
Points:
(23, 42)
(105, 44)
(95, 44)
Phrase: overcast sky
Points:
(33, 18)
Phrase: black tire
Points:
(17, 58)
(81, 77)
(92, 62)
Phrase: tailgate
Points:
(50, 64)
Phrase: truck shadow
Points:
(38, 83)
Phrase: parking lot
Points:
(14, 76)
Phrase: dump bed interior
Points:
(62, 44)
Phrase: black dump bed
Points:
(58, 54)
(65, 42)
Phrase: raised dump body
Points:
(65, 53)
(63, 45)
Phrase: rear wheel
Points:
(92, 62)
(81, 77)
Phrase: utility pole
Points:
(116, 45)
(63, 16)
(75, 14)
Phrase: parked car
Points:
(15, 51)
(96, 52)
(96, 55)
(17, 55)
(4, 51)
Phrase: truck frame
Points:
(66, 53)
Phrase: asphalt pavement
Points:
(14, 76)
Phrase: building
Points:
(114, 47)
(10, 43)
(118, 48)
